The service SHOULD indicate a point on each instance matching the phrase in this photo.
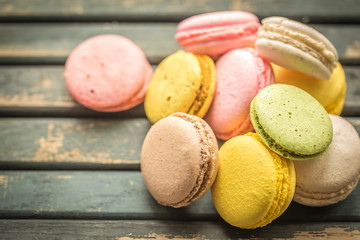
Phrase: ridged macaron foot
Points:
(254, 185)
(291, 122)
(240, 75)
(183, 82)
(108, 73)
(179, 159)
(216, 33)
(296, 46)
(331, 94)
(331, 177)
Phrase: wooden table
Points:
(67, 172)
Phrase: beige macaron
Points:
(179, 159)
(296, 46)
(331, 177)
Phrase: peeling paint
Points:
(24, 99)
(15, 51)
(3, 185)
(160, 237)
(81, 127)
(353, 50)
(64, 177)
(240, 5)
(329, 233)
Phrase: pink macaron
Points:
(108, 73)
(240, 75)
(216, 33)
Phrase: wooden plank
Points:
(135, 10)
(125, 229)
(122, 195)
(40, 91)
(52, 43)
(45, 43)
(71, 143)
(47, 143)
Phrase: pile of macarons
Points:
(273, 91)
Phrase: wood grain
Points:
(40, 91)
(71, 143)
(140, 229)
(45, 43)
(47, 143)
(122, 195)
(154, 10)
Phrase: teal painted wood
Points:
(71, 143)
(52, 143)
(40, 91)
(43, 43)
(125, 229)
(307, 10)
(122, 195)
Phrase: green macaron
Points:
(291, 122)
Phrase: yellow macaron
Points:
(183, 82)
(330, 93)
(254, 185)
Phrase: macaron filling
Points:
(205, 93)
(324, 197)
(276, 32)
(208, 157)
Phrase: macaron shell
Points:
(155, 172)
(179, 159)
(297, 46)
(331, 177)
(331, 94)
(292, 58)
(218, 32)
(291, 122)
(254, 185)
(249, 194)
(102, 73)
(303, 29)
(173, 86)
(209, 147)
(139, 97)
(240, 75)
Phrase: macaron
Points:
(183, 82)
(296, 46)
(216, 33)
(291, 122)
(108, 73)
(331, 177)
(179, 159)
(240, 75)
(331, 94)
(254, 185)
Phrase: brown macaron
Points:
(179, 159)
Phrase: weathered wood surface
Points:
(173, 10)
(40, 91)
(71, 143)
(51, 43)
(123, 195)
(53, 143)
(68, 172)
(127, 230)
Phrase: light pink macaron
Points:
(108, 73)
(216, 33)
(240, 75)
